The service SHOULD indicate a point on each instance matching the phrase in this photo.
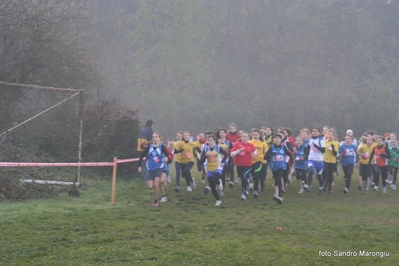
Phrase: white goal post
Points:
(79, 92)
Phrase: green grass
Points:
(190, 230)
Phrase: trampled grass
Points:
(190, 230)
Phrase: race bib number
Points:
(212, 158)
(156, 160)
(188, 155)
(367, 155)
(278, 158)
(242, 153)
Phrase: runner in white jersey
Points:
(315, 159)
(207, 187)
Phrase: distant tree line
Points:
(201, 64)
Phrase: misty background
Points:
(201, 64)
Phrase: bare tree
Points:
(42, 42)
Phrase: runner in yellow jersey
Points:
(179, 137)
(215, 163)
(186, 149)
(330, 160)
(200, 142)
(259, 161)
(365, 169)
(225, 145)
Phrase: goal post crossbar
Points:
(38, 87)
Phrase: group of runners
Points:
(316, 153)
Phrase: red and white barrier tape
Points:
(13, 164)
(127, 160)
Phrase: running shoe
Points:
(164, 199)
(231, 184)
(345, 191)
(220, 186)
(384, 190)
(255, 194)
(218, 202)
(192, 184)
(177, 189)
(301, 191)
(189, 189)
(278, 199)
(243, 197)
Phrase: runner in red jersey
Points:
(232, 136)
(243, 152)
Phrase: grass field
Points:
(190, 230)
